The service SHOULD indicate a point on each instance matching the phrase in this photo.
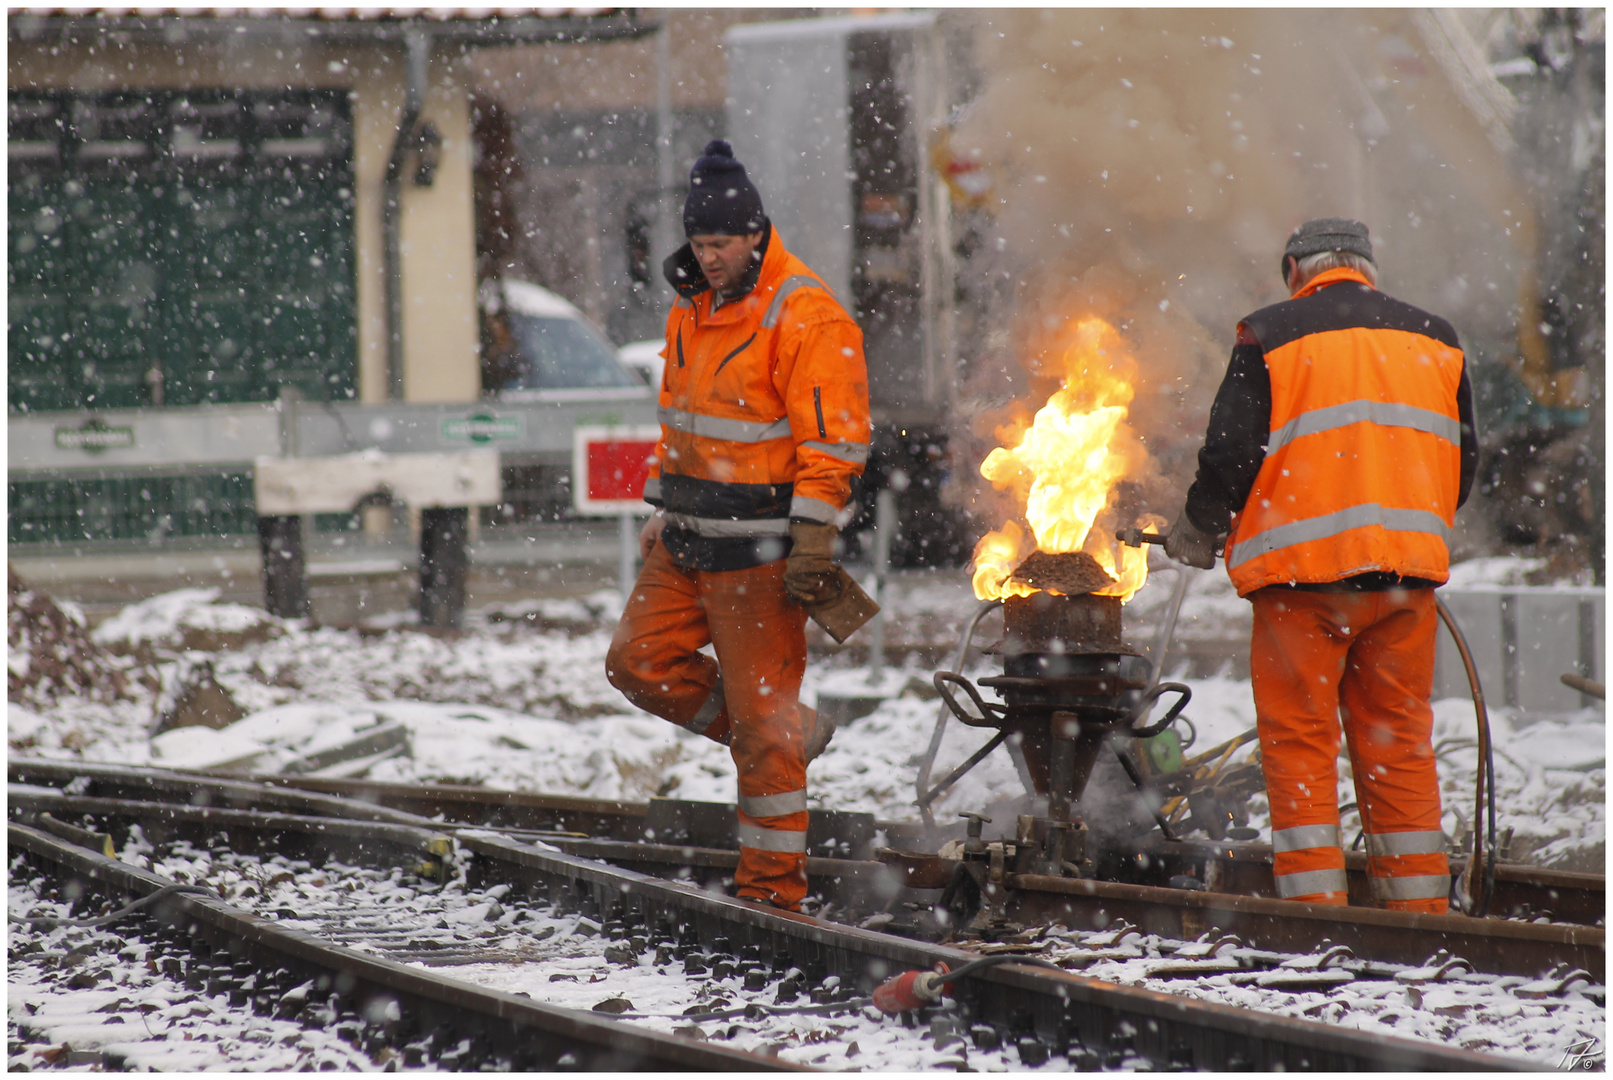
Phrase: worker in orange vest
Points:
(1340, 445)
(764, 424)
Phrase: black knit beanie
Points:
(1327, 234)
(722, 201)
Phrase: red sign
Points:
(609, 467)
(617, 470)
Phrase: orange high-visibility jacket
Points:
(764, 412)
(1363, 463)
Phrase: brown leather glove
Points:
(810, 575)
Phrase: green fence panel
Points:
(125, 508)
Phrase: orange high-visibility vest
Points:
(764, 415)
(1363, 463)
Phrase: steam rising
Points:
(1149, 167)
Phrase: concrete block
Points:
(1479, 616)
(1523, 640)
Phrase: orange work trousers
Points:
(1366, 658)
(747, 698)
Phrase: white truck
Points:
(834, 119)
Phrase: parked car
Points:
(645, 358)
(537, 344)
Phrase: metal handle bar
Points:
(921, 784)
(941, 678)
(1149, 697)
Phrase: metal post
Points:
(280, 536)
(627, 555)
(665, 233)
(444, 565)
(417, 68)
(884, 526)
(285, 575)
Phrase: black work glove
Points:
(1190, 545)
(810, 575)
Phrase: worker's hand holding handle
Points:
(1186, 542)
(815, 581)
(1190, 545)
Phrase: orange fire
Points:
(1064, 466)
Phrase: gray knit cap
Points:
(1328, 234)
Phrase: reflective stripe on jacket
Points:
(764, 413)
(1363, 462)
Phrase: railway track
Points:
(261, 965)
(647, 922)
(1556, 916)
(1522, 892)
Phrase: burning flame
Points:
(1064, 466)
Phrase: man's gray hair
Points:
(1311, 265)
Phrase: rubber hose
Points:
(1484, 782)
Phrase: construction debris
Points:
(192, 697)
(50, 654)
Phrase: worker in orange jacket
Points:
(1340, 445)
(764, 424)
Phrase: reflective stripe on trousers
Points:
(1418, 842)
(785, 841)
(1311, 882)
(1409, 866)
(1419, 887)
(709, 712)
(1305, 836)
(786, 802)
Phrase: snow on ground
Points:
(1481, 1013)
(519, 700)
(80, 998)
(107, 999)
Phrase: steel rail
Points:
(1490, 945)
(1240, 868)
(1165, 1028)
(1511, 948)
(526, 1033)
(1162, 1027)
(1238, 875)
(161, 822)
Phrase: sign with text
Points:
(94, 436)
(608, 468)
(481, 427)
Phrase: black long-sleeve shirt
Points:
(1240, 425)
